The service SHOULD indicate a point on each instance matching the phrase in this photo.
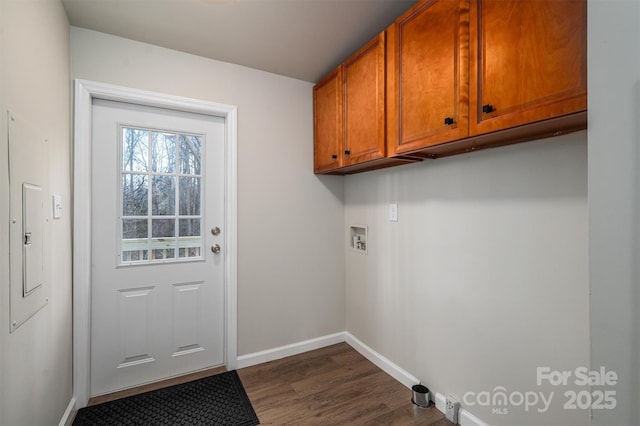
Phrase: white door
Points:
(157, 294)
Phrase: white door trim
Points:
(85, 92)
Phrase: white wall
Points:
(35, 360)
(614, 200)
(290, 262)
(484, 277)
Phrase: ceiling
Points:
(303, 39)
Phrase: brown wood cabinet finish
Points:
(528, 62)
(350, 114)
(428, 75)
(328, 124)
(364, 107)
(460, 75)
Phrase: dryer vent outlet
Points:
(451, 409)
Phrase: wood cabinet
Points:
(350, 112)
(473, 74)
(460, 75)
(328, 126)
(428, 75)
(528, 62)
(364, 107)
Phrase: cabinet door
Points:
(528, 61)
(428, 80)
(364, 97)
(327, 126)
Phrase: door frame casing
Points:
(85, 92)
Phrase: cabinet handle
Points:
(347, 152)
(334, 156)
(448, 121)
(487, 108)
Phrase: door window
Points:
(161, 195)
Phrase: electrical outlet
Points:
(451, 409)
(393, 212)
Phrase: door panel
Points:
(428, 73)
(528, 61)
(328, 122)
(187, 333)
(134, 312)
(157, 290)
(364, 115)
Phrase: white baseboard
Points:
(465, 418)
(67, 417)
(383, 363)
(289, 350)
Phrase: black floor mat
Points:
(215, 400)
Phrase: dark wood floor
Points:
(331, 386)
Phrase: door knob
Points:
(215, 248)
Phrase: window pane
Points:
(189, 227)
(135, 256)
(163, 242)
(189, 252)
(135, 149)
(134, 240)
(163, 196)
(190, 154)
(163, 228)
(135, 229)
(167, 253)
(163, 156)
(163, 248)
(135, 190)
(190, 196)
(189, 242)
